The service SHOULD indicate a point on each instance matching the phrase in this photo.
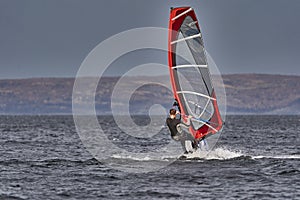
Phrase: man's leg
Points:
(180, 139)
(186, 138)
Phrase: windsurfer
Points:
(175, 126)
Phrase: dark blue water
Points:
(256, 157)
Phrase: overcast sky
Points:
(42, 38)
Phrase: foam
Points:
(223, 153)
(220, 153)
(277, 157)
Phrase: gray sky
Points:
(52, 37)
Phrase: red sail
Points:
(190, 76)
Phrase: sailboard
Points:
(190, 76)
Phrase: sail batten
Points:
(186, 38)
(195, 93)
(181, 14)
(184, 66)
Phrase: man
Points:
(172, 123)
(175, 126)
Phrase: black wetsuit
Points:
(172, 123)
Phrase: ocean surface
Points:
(43, 157)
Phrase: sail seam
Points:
(192, 23)
(204, 109)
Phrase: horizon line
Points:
(117, 76)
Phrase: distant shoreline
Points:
(246, 94)
(73, 77)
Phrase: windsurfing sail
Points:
(190, 77)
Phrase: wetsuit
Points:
(177, 135)
(172, 123)
(182, 137)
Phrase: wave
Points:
(277, 157)
(142, 158)
(50, 161)
(216, 154)
(220, 153)
(11, 196)
(223, 153)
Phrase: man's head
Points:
(172, 113)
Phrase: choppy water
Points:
(257, 157)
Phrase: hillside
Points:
(246, 94)
(258, 93)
